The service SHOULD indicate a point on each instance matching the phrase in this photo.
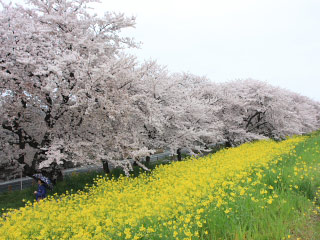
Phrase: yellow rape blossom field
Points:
(192, 199)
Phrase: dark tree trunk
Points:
(23, 139)
(105, 166)
(135, 162)
(58, 177)
(179, 154)
(148, 160)
(54, 173)
(28, 171)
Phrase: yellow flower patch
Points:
(169, 202)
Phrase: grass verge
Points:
(283, 202)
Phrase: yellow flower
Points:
(199, 224)
(184, 189)
(228, 210)
(142, 228)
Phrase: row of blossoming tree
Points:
(70, 93)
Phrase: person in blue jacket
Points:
(42, 191)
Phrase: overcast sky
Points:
(277, 41)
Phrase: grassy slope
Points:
(293, 214)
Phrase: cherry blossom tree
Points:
(175, 114)
(59, 64)
(264, 110)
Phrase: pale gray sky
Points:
(277, 41)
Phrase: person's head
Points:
(39, 182)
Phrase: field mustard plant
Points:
(170, 203)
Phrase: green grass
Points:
(293, 214)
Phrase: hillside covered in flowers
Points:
(238, 192)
